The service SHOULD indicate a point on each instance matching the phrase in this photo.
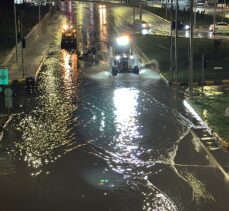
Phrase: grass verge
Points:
(201, 20)
(216, 51)
(212, 107)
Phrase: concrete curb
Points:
(4, 119)
(199, 83)
(22, 80)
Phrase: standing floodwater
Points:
(88, 141)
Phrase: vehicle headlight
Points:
(143, 25)
(117, 57)
(187, 27)
(131, 57)
(144, 31)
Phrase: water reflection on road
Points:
(91, 141)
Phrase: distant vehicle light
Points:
(123, 40)
(187, 27)
(131, 57)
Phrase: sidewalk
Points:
(35, 53)
(33, 56)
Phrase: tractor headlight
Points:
(117, 57)
(65, 27)
(143, 25)
(124, 40)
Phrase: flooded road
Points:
(89, 141)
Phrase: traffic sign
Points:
(4, 77)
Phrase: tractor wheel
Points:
(136, 70)
(114, 71)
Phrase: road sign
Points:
(4, 79)
(8, 92)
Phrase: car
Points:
(200, 8)
(180, 26)
(122, 59)
(142, 27)
(220, 27)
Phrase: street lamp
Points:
(16, 2)
(191, 53)
(15, 25)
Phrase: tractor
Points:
(122, 59)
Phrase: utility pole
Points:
(166, 9)
(39, 14)
(223, 4)
(133, 15)
(16, 31)
(140, 8)
(214, 16)
(176, 38)
(203, 79)
(171, 40)
(22, 48)
(194, 25)
(191, 53)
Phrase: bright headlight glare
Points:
(187, 27)
(117, 57)
(131, 57)
(65, 27)
(122, 40)
(144, 31)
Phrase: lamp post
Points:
(171, 41)
(214, 15)
(194, 24)
(223, 14)
(140, 12)
(40, 16)
(15, 25)
(191, 53)
(176, 38)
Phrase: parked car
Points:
(220, 27)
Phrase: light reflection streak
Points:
(125, 101)
(128, 149)
(103, 32)
(45, 129)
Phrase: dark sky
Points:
(6, 3)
